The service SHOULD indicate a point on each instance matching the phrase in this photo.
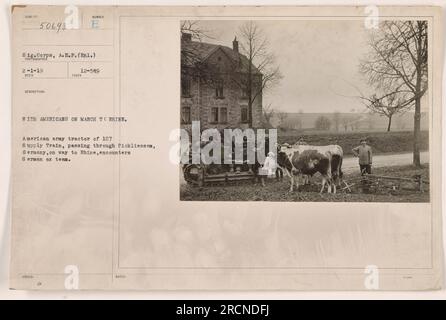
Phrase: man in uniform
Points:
(364, 154)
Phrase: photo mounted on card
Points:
(226, 148)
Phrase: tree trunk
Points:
(417, 115)
(250, 86)
(250, 114)
(416, 133)
(389, 124)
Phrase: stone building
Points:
(214, 86)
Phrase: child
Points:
(270, 165)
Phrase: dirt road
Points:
(350, 164)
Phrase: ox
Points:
(305, 160)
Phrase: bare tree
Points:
(191, 61)
(196, 31)
(345, 122)
(191, 30)
(388, 106)
(352, 125)
(282, 117)
(299, 121)
(322, 123)
(262, 72)
(336, 120)
(355, 122)
(268, 113)
(397, 63)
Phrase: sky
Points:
(319, 61)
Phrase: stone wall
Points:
(203, 98)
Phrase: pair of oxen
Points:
(301, 161)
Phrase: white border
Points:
(5, 162)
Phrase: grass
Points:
(278, 190)
(381, 142)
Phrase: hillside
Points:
(349, 122)
(381, 142)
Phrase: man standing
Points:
(364, 153)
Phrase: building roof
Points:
(196, 51)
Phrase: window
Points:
(244, 114)
(185, 86)
(185, 115)
(244, 93)
(214, 115)
(219, 89)
(223, 115)
(219, 115)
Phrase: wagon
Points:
(200, 174)
(379, 184)
(203, 174)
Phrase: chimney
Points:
(235, 45)
(186, 36)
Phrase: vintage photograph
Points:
(225, 149)
(305, 110)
